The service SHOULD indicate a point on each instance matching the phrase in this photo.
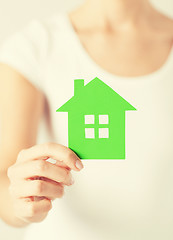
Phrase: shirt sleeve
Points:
(25, 51)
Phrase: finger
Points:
(58, 163)
(36, 188)
(33, 211)
(52, 150)
(40, 168)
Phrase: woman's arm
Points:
(21, 107)
(28, 183)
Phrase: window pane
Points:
(103, 119)
(89, 119)
(89, 133)
(103, 132)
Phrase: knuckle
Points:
(21, 154)
(66, 175)
(48, 206)
(11, 190)
(32, 210)
(41, 166)
(47, 146)
(70, 155)
(61, 192)
(10, 172)
(69, 175)
(39, 187)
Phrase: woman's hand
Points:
(35, 182)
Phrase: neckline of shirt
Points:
(159, 73)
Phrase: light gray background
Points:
(13, 16)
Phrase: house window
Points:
(89, 119)
(103, 119)
(103, 132)
(96, 126)
(89, 133)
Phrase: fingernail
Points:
(79, 164)
(51, 160)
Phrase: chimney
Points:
(78, 86)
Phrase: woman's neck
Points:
(110, 14)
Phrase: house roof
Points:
(95, 96)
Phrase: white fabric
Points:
(110, 199)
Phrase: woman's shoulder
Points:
(54, 22)
(165, 24)
(41, 28)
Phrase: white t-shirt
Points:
(127, 194)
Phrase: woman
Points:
(127, 45)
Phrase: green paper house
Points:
(96, 121)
